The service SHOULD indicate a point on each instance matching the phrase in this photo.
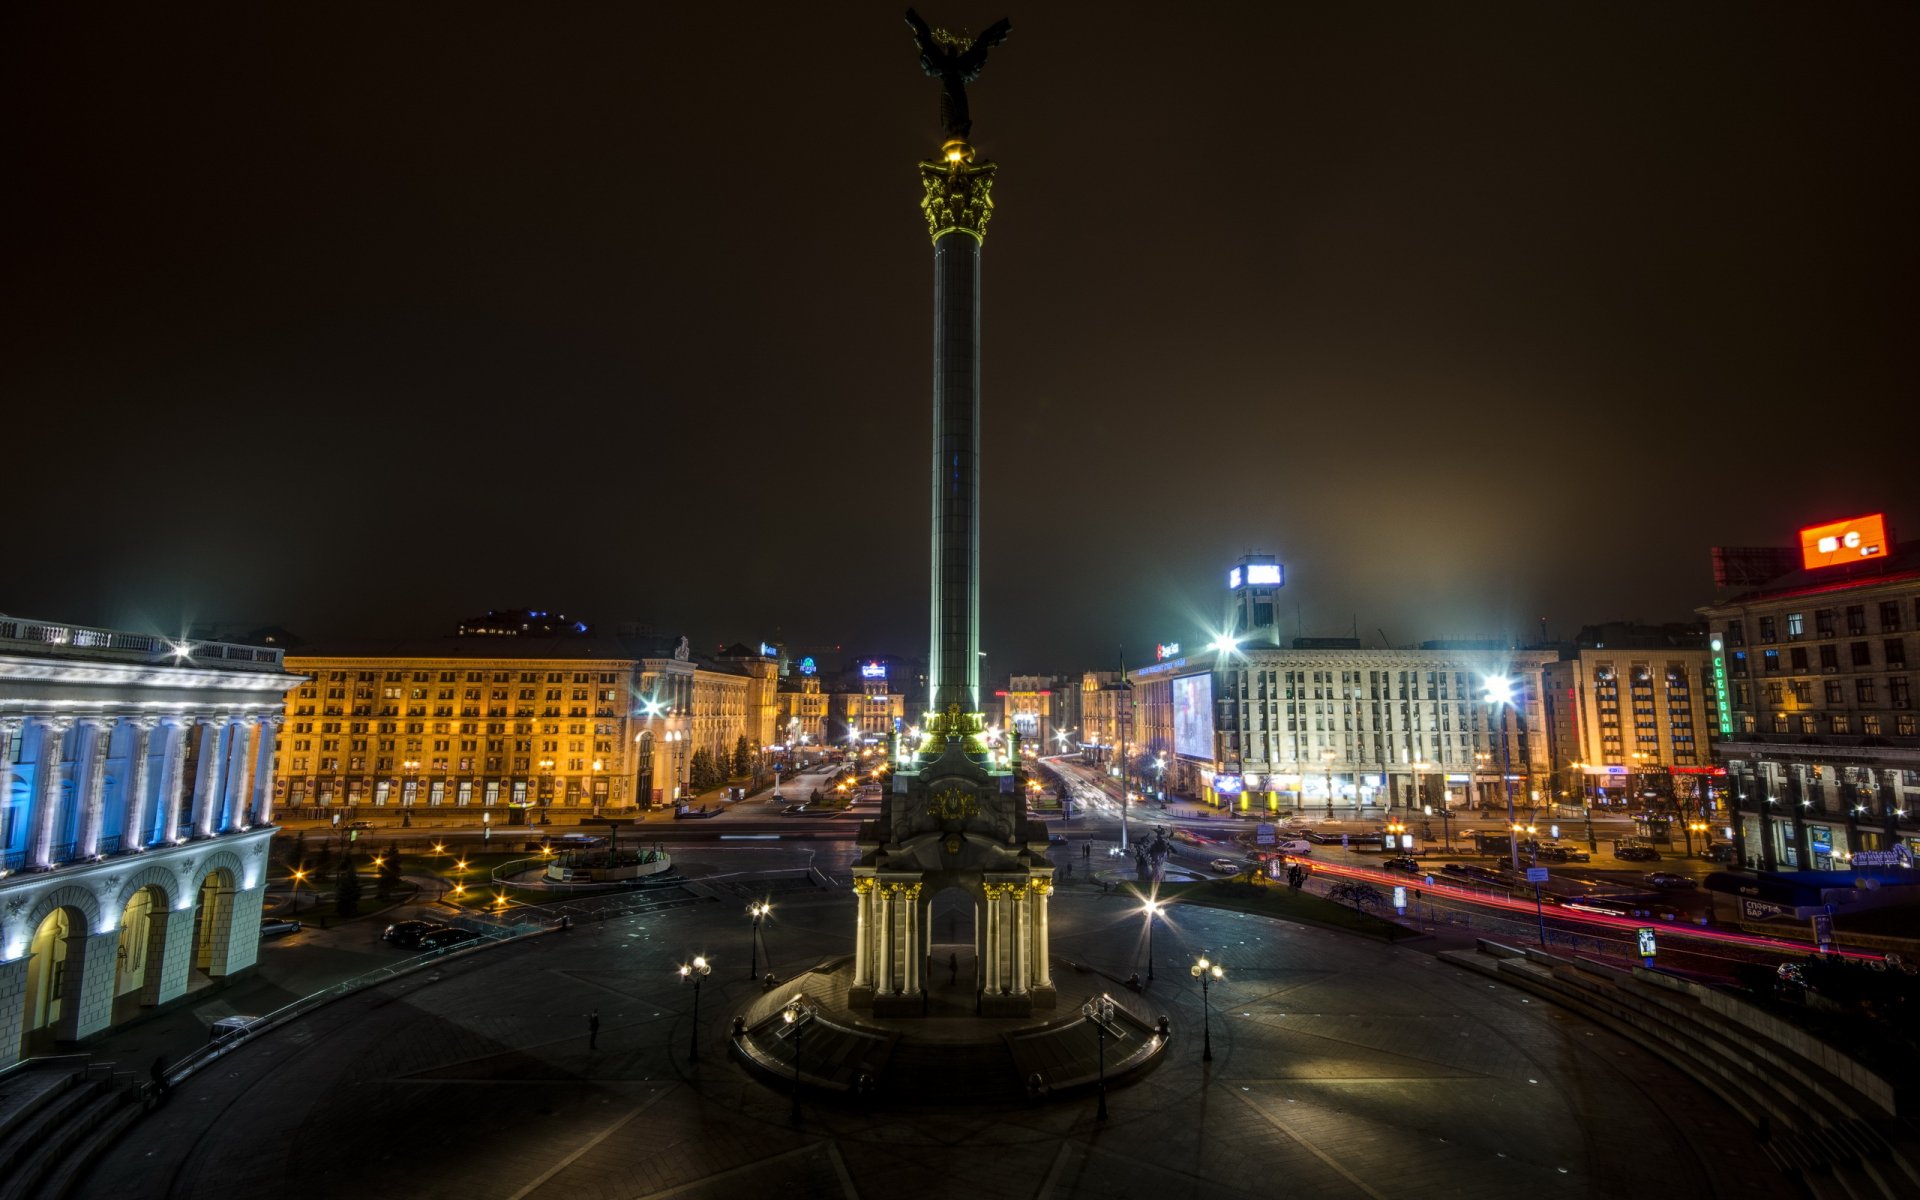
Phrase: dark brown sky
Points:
(360, 318)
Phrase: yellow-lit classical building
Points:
(510, 724)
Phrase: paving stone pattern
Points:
(1342, 1068)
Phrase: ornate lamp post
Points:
(1206, 972)
(1327, 756)
(1152, 909)
(299, 877)
(796, 1015)
(1099, 1011)
(696, 970)
(758, 911)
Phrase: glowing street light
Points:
(1499, 697)
(299, 877)
(1152, 908)
(1206, 972)
(758, 910)
(696, 970)
(1099, 1012)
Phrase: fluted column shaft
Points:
(133, 834)
(46, 780)
(209, 760)
(263, 772)
(173, 762)
(94, 735)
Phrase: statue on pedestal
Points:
(955, 62)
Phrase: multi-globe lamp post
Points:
(1499, 696)
(795, 1018)
(1099, 1012)
(696, 971)
(1206, 971)
(1152, 909)
(758, 910)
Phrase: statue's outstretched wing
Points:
(975, 57)
(923, 35)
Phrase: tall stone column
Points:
(92, 736)
(262, 806)
(1018, 943)
(883, 962)
(862, 932)
(46, 789)
(173, 760)
(994, 939)
(916, 953)
(133, 824)
(958, 203)
(209, 759)
(1042, 949)
(234, 798)
(10, 728)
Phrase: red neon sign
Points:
(1845, 541)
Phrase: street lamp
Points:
(1586, 806)
(1099, 1011)
(546, 788)
(299, 877)
(696, 970)
(1160, 776)
(796, 1015)
(1327, 756)
(1206, 972)
(412, 767)
(1499, 697)
(1152, 909)
(757, 910)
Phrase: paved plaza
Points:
(1342, 1067)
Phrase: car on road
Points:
(278, 928)
(1295, 847)
(409, 933)
(358, 825)
(1637, 854)
(1226, 866)
(1720, 852)
(1189, 837)
(1404, 862)
(1668, 881)
(1056, 839)
(1476, 874)
(794, 810)
(446, 939)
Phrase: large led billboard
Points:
(1255, 575)
(1193, 716)
(1846, 541)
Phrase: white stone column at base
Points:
(992, 974)
(230, 810)
(915, 952)
(10, 731)
(884, 984)
(13, 1008)
(86, 997)
(1019, 947)
(173, 761)
(1042, 952)
(862, 972)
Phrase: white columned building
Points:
(116, 893)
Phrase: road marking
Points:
(602, 1136)
(1053, 1174)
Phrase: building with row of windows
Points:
(136, 805)
(603, 724)
(1630, 719)
(1814, 673)
(859, 706)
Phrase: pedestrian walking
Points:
(953, 968)
(159, 1072)
(593, 1030)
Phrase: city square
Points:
(1355, 709)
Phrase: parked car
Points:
(1226, 866)
(230, 1028)
(358, 825)
(794, 810)
(446, 939)
(1637, 854)
(278, 928)
(1295, 848)
(1668, 881)
(1475, 873)
(1720, 852)
(1056, 839)
(409, 933)
(1404, 862)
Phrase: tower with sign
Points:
(953, 817)
(1253, 585)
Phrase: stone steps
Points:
(1835, 1142)
(45, 1143)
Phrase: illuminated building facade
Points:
(574, 724)
(1297, 729)
(1817, 729)
(136, 805)
(1630, 718)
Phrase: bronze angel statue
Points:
(955, 63)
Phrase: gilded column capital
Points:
(862, 885)
(1042, 888)
(958, 192)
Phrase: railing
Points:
(40, 637)
(13, 860)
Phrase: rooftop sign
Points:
(1846, 541)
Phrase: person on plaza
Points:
(593, 1030)
(161, 1088)
(953, 968)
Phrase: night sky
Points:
(361, 318)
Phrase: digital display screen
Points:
(1263, 574)
(1193, 716)
(873, 670)
(1227, 785)
(1846, 541)
(1233, 578)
